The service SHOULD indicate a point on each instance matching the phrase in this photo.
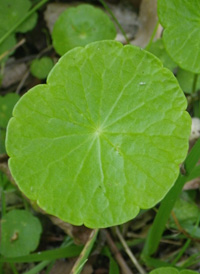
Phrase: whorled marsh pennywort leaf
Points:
(103, 138)
(171, 270)
(40, 68)
(181, 21)
(20, 233)
(80, 26)
(158, 49)
(11, 11)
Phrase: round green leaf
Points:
(28, 24)
(165, 270)
(80, 26)
(158, 49)
(181, 21)
(40, 68)
(7, 103)
(171, 270)
(11, 11)
(20, 233)
(103, 138)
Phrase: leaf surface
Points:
(11, 11)
(20, 233)
(171, 270)
(181, 21)
(80, 26)
(40, 68)
(103, 138)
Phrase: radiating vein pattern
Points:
(103, 138)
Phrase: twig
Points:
(23, 80)
(124, 267)
(129, 253)
(19, 44)
(45, 50)
(181, 229)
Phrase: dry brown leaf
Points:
(80, 234)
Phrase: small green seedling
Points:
(103, 138)
(80, 26)
(171, 270)
(20, 233)
(7, 103)
(181, 21)
(11, 11)
(40, 68)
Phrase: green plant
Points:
(181, 17)
(40, 68)
(11, 12)
(94, 129)
(20, 233)
(106, 135)
(80, 26)
(174, 16)
(171, 270)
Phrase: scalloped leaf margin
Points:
(181, 22)
(103, 138)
